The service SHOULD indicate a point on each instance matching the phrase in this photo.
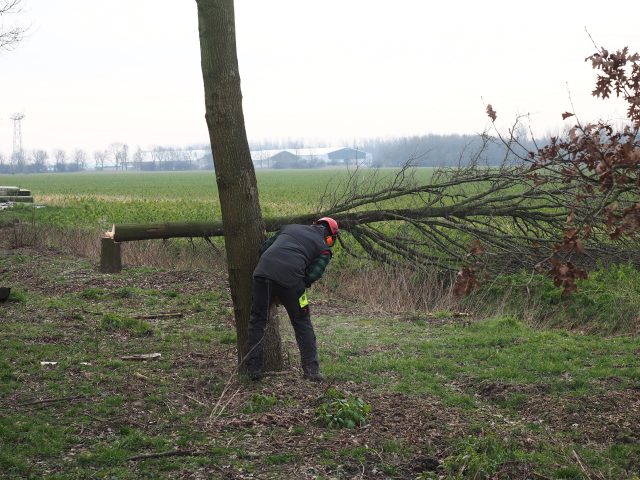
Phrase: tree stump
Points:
(110, 257)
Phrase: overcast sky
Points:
(91, 73)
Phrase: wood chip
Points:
(141, 356)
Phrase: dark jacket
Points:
(295, 257)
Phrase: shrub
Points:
(260, 403)
(124, 292)
(481, 456)
(608, 301)
(228, 338)
(110, 321)
(17, 296)
(342, 411)
(92, 293)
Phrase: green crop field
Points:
(100, 199)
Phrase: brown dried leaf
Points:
(476, 248)
(492, 113)
(465, 282)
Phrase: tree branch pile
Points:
(602, 163)
(494, 219)
(505, 215)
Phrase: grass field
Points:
(101, 199)
(450, 397)
(486, 396)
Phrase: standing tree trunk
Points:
(237, 187)
(273, 356)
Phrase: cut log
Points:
(16, 198)
(110, 256)
(132, 232)
(6, 190)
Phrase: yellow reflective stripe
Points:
(303, 300)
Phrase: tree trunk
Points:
(273, 357)
(132, 232)
(237, 187)
(110, 255)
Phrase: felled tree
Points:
(529, 212)
(602, 165)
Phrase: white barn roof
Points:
(299, 152)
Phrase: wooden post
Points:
(110, 258)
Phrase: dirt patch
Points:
(53, 274)
(498, 391)
(603, 419)
(417, 424)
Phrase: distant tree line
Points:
(442, 150)
(117, 156)
(41, 161)
(422, 151)
(419, 150)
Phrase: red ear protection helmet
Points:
(333, 228)
(332, 224)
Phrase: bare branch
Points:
(10, 36)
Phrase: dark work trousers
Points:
(263, 292)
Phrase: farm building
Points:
(309, 157)
(168, 158)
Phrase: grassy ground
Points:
(608, 301)
(450, 397)
(93, 200)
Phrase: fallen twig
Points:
(141, 376)
(51, 400)
(582, 466)
(141, 356)
(172, 453)
(201, 355)
(540, 476)
(158, 315)
(219, 408)
(194, 399)
(453, 314)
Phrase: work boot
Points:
(254, 361)
(312, 372)
(313, 376)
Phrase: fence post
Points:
(110, 258)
